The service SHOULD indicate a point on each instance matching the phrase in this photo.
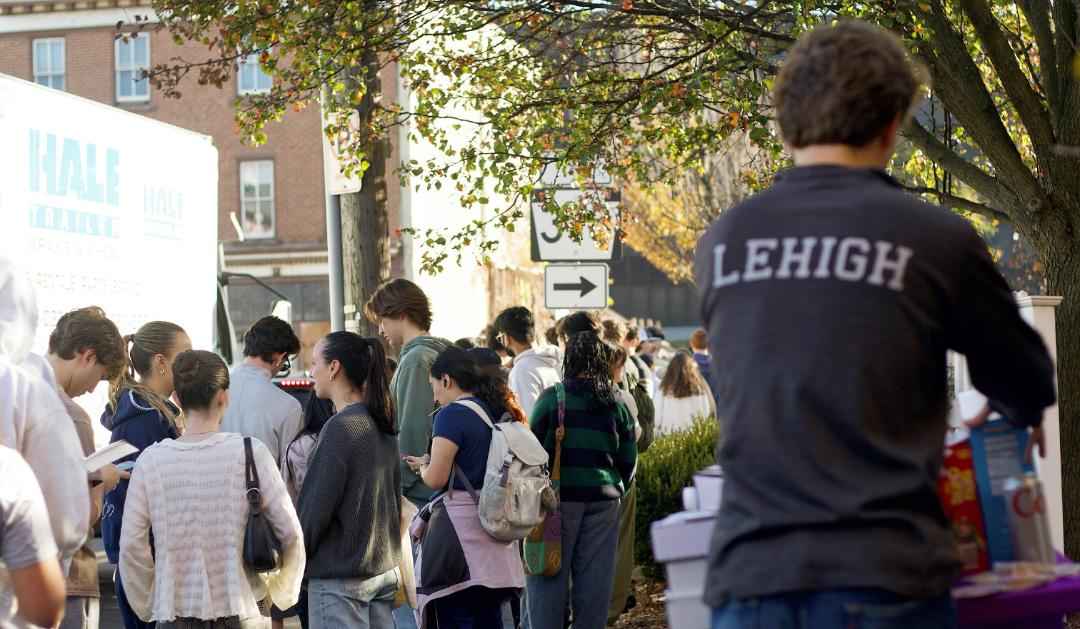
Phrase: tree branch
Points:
(986, 185)
(1027, 102)
(1037, 13)
(960, 85)
(962, 203)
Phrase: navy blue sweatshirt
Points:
(141, 425)
(830, 301)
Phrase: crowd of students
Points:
(339, 478)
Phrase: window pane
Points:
(142, 86)
(41, 57)
(58, 82)
(266, 170)
(264, 190)
(125, 84)
(56, 61)
(249, 190)
(140, 52)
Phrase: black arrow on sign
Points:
(585, 286)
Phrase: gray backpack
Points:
(512, 501)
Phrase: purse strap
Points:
(560, 432)
(251, 476)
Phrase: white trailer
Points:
(101, 206)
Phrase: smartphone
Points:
(125, 466)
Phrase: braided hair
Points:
(588, 359)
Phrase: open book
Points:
(108, 454)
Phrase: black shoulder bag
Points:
(262, 550)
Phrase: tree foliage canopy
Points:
(569, 85)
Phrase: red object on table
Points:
(1043, 607)
(956, 486)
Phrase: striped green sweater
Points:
(599, 451)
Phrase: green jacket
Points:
(415, 404)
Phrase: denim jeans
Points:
(864, 608)
(590, 531)
(405, 616)
(354, 603)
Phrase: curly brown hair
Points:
(682, 378)
(843, 84)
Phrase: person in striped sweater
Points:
(598, 459)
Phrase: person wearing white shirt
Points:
(258, 408)
(683, 394)
(34, 421)
(534, 368)
(191, 493)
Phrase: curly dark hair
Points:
(485, 384)
(588, 359)
(268, 336)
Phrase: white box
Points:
(687, 611)
(683, 535)
(688, 575)
(709, 483)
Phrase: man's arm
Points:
(288, 430)
(51, 448)
(1007, 358)
(415, 403)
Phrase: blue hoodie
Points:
(141, 425)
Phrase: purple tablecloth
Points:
(1043, 607)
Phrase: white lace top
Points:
(192, 496)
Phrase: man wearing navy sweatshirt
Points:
(830, 301)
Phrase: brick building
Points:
(272, 194)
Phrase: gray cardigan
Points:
(350, 502)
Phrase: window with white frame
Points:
(252, 79)
(49, 62)
(132, 58)
(257, 199)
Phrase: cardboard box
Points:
(956, 486)
(687, 611)
(997, 449)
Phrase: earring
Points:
(331, 378)
(162, 372)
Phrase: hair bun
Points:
(187, 365)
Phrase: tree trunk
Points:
(1063, 279)
(365, 238)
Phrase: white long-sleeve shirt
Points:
(259, 409)
(674, 414)
(192, 495)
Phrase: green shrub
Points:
(663, 470)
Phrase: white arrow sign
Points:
(578, 286)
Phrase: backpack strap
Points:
(560, 432)
(479, 410)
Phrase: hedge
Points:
(663, 470)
